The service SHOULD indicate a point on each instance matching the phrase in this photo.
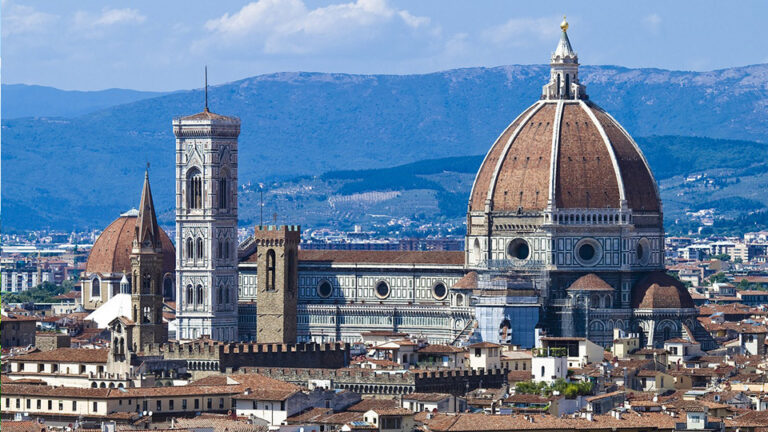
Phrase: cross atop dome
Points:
(564, 75)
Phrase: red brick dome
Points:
(659, 290)
(569, 152)
(112, 250)
(590, 282)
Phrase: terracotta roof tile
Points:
(469, 281)
(369, 404)
(585, 176)
(658, 290)
(73, 355)
(590, 282)
(112, 249)
(439, 349)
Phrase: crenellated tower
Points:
(206, 225)
(277, 255)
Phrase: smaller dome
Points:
(111, 252)
(659, 290)
(590, 282)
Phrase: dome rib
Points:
(522, 176)
(609, 147)
(655, 195)
(554, 154)
(481, 184)
(505, 150)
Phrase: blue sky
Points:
(162, 45)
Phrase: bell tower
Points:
(147, 274)
(206, 225)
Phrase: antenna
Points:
(261, 204)
(206, 88)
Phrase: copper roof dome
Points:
(564, 152)
(659, 290)
(111, 251)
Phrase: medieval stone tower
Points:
(278, 279)
(206, 225)
(147, 275)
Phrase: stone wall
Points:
(51, 341)
(210, 355)
(370, 382)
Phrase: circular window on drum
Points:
(643, 251)
(439, 291)
(518, 249)
(324, 289)
(382, 290)
(588, 252)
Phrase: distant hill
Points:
(693, 174)
(82, 171)
(21, 100)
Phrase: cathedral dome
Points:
(659, 290)
(564, 152)
(111, 251)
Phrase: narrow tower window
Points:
(271, 270)
(190, 249)
(194, 189)
(95, 288)
(146, 284)
(199, 294)
(223, 193)
(199, 248)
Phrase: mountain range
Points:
(80, 167)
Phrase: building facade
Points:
(565, 237)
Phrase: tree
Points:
(718, 278)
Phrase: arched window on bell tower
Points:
(194, 189)
(271, 270)
(223, 190)
(200, 248)
(146, 284)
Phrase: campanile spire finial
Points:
(564, 24)
(206, 88)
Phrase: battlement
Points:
(273, 235)
(373, 382)
(234, 356)
(278, 228)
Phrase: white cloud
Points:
(120, 16)
(20, 19)
(517, 31)
(108, 17)
(652, 22)
(289, 26)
